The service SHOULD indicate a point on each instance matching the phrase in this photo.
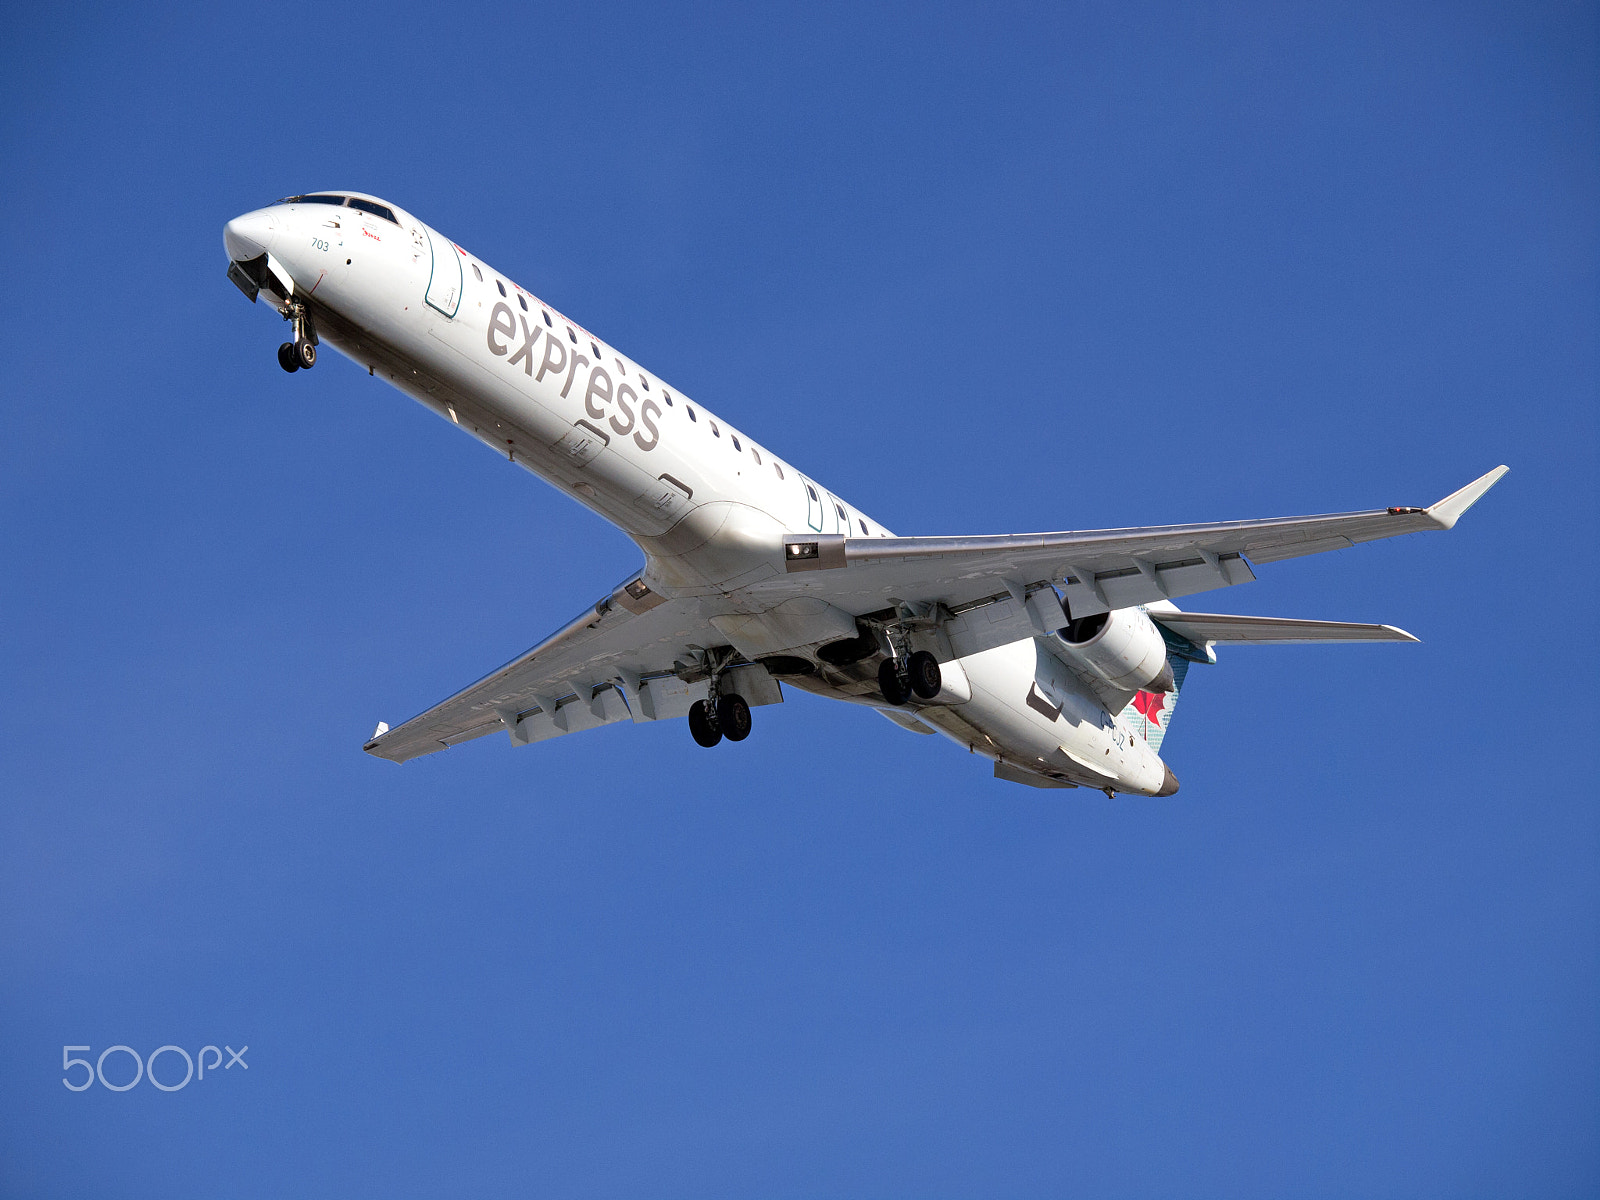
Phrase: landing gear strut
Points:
(302, 352)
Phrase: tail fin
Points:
(1149, 714)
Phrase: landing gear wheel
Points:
(733, 718)
(895, 689)
(701, 726)
(287, 358)
(305, 354)
(924, 671)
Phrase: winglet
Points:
(1448, 510)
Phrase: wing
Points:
(1200, 628)
(613, 663)
(1098, 570)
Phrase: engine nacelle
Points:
(1123, 647)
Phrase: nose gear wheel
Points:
(300, 354)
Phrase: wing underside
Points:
(620, 660)
(634, 654)
(1091, 571)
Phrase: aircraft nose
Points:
(249, 236)
(1169, 783)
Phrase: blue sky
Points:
(976, 269)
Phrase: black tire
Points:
(287, 358)
(701, 727)
(925, 678)
(895, 689)
(733, 718)
(306, 354)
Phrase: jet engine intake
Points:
(1123, 647)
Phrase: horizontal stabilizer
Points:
(1275, 631)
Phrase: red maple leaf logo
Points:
(1150, 705)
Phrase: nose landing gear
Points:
(292, 356)
(300, 354)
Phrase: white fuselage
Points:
(706, 503)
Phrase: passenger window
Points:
(811, 491)
(715, 432)
(756, 454)
(621, 370)
(778, 467)
(863, 525)
(843, 520)
(522, 300)
(689, 408)
(736, 445)
(548, 322)
(501, 286)
(645, 382)
(477, 272)
(572, 335)
(596, 350)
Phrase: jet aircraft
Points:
(1058, 657)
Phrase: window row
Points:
(738, 446)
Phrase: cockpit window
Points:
(377, 210)
(368, 206)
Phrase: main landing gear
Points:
(721, 714)
(901, 678)
(728, 718)
(302, 352)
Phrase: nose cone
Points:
(249, 236)
(1169, 783)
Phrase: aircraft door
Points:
(444, 283)
(813, 505)
(836, 519)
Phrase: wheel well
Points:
(849, 650)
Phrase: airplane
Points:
(1057, 657)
